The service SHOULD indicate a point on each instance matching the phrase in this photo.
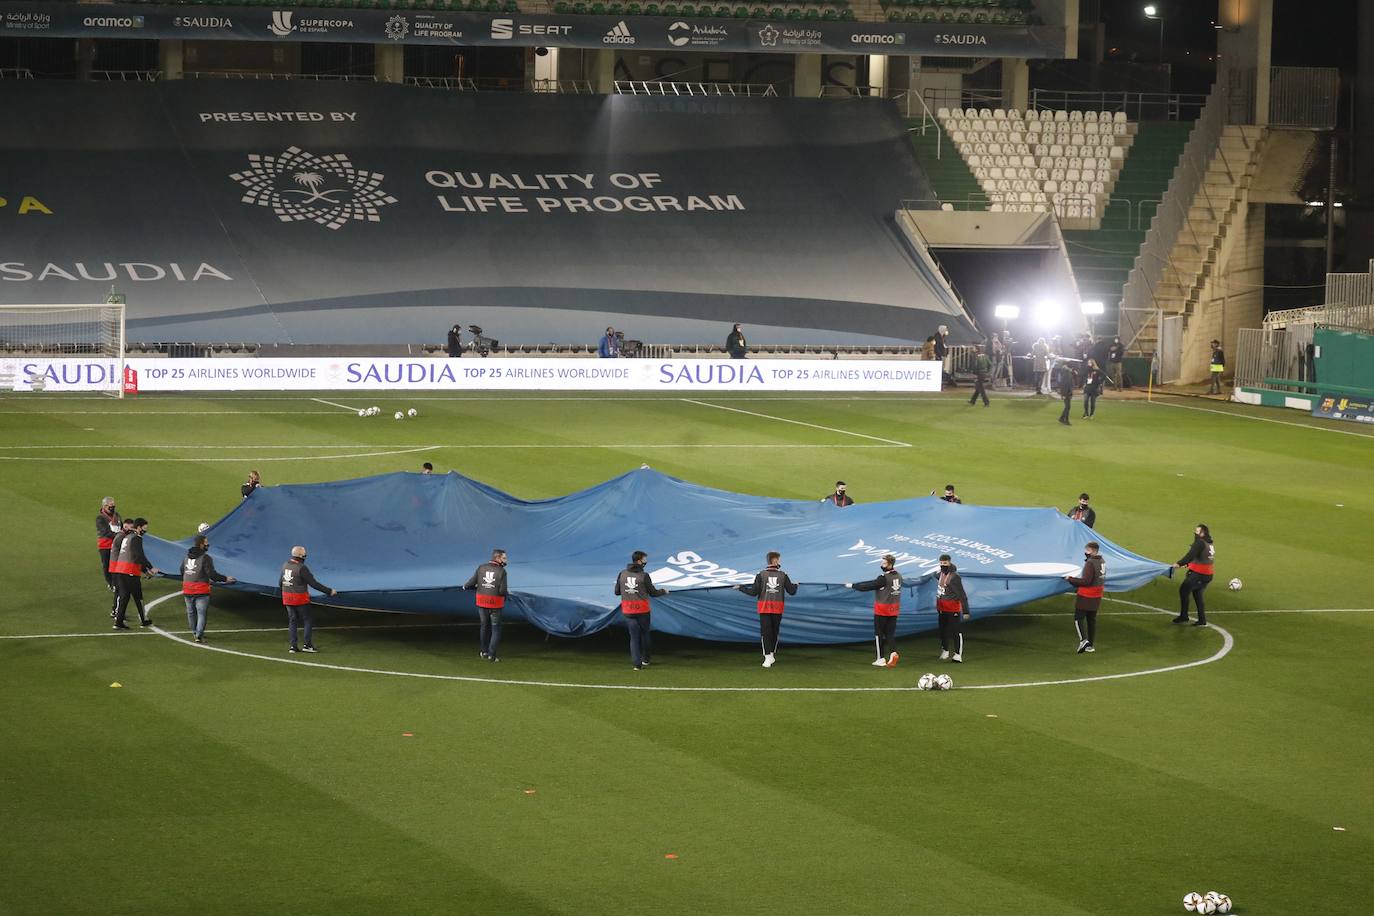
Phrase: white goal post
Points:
(40, 345)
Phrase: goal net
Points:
(62, 348)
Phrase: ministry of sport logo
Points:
(397, 28)
(301, 186)
(768, 36)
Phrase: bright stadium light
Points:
(1151, 11)
(1007, 312)
(1047, 313)
(1092, 308)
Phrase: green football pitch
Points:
(142, 773)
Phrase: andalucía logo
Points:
(327, 190)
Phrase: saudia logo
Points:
(687, 569)
(945, 38)
(300, 186)
(202, 22)
(108, 271)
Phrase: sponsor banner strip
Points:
(40, 20)
(493, 374)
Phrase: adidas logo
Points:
(619, 35)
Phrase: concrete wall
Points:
(1232, 300)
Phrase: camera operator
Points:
(455, 342)
(610, 345)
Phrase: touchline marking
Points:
(1227, 643)
(335, 404)
(1246, 416)
(829, 429)
(402, 451)
(130, 414)
(457, 445)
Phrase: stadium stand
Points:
(1036, 161)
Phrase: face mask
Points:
(944, 570)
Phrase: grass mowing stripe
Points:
(797, 422)
(1246, 416)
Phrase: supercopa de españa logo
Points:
(301, 186)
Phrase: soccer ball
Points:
(1223, 903)
(375, 410)
(1211, 895)
(362, 413)
(399, 415)
(926, 682)
(1234, 585)
(1192, 901)
(1206, 907)
(944, 682)
(412, 412)
(202, 527)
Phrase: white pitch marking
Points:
(352, 410)
(1227, 643)
(829, 429)
(218, 630)
(1246, 416)
(128, 414)
(403, 451)
(416, 448)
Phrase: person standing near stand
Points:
(1116, 353)
(1092, 389)
(981, 369)
(1040, 355)
(1217, 367)
(735, 344)
(1062, 379)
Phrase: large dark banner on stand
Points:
(72, 20)
(363, 212)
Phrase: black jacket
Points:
(1084, 514)
(736, 345)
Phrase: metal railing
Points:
(563, 87)
(126, 76)
(903, 99)
(961, 98)
(1352, 317)
(1263, 353)
(258, 75)
(15, 73)
(1171, 217)
(1138, 106)
(660, 87)
(1304, 97)
(974, 201)
(453, 83)
(1350, 289)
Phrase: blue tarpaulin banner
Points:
(407, 542)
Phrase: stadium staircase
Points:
(949, 174)
(1102, 258)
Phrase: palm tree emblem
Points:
(312, 181)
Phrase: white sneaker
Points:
(880, 663)
(956, 657)
(944, 655)
(769, 660)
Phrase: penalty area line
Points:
(829, 429)
(353, 410)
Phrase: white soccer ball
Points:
(412, 412)
(1206, 907)
(1211, 895)
(926, 682)
(202, 527)
(375, 410)
(399, 415)
(1234, 585)
(944, 682)
(1192, 901)
(1223, 903)
(362, 413)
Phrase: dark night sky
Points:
(1307, 33)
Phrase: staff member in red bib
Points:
(107, 525)
(771, 586)
(296, 580)
(129, 563)
(197, 572)
(635, 588)
(951, 607)
(490, 582)
(1088, 585)
(111, 574)
(1200, 560)
(887, 605)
